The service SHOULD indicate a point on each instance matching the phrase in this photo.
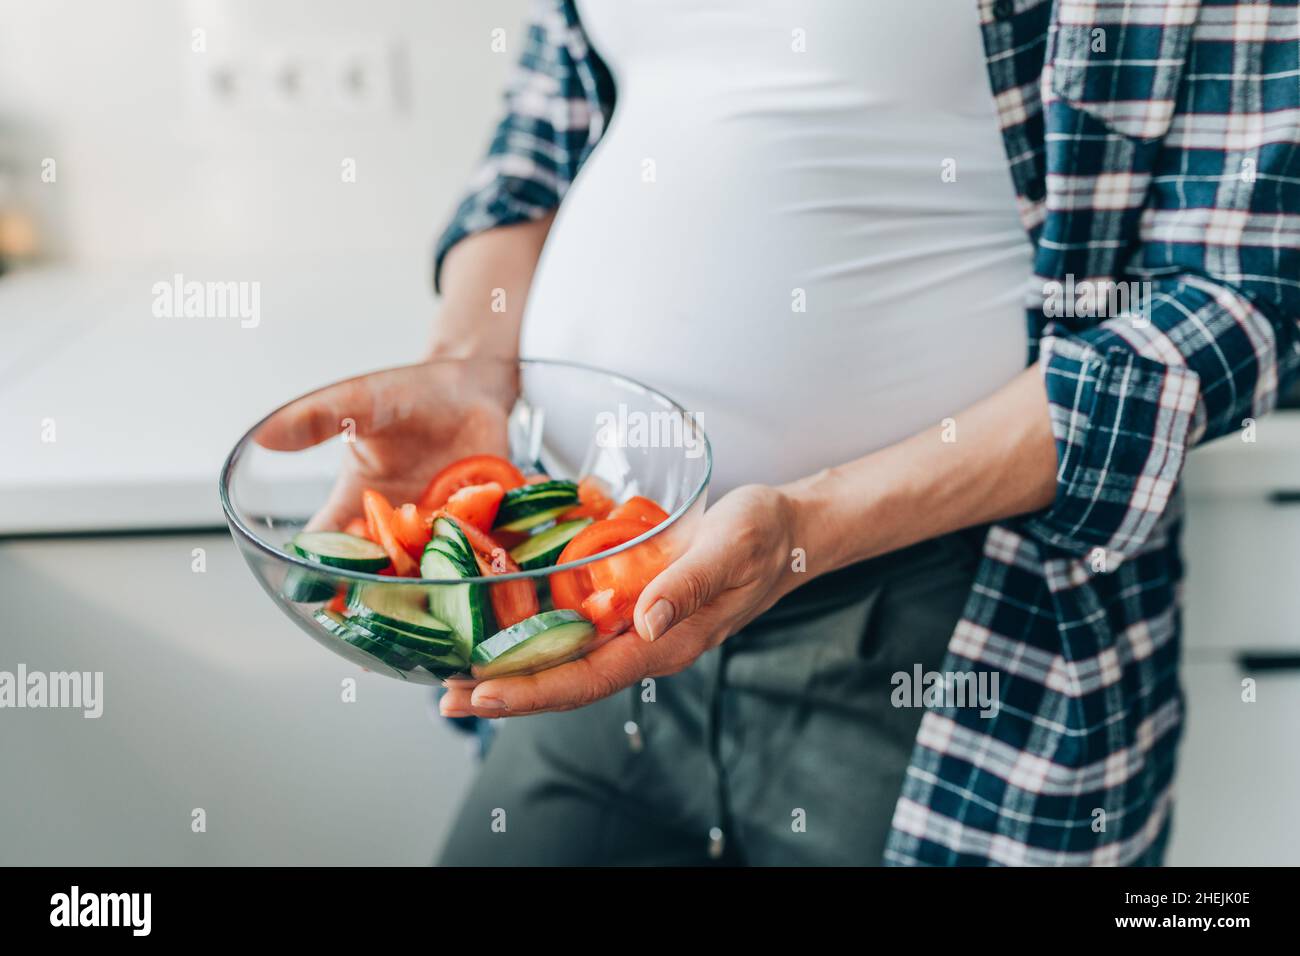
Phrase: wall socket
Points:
(322, 79)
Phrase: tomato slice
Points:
(477, 504)
(608, 612)
(358, 527)
(642, 509)
(379, 517)
(626, 573)
(512, 601)
(339, 602)
(413, 529)
(570, 588)
(593, 502)
(509, 539)
(474, 470)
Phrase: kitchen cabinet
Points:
(1238, 776)
(1238, 783)
(212, 699)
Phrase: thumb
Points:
(683, 588)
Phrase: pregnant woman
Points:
(839, 232)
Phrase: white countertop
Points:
(146, 409)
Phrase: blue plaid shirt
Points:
(1152, 142)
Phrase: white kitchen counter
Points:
(145, 409)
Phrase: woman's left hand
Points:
(738, 566)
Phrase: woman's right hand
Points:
(400, 427)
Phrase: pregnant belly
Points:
(805, 311)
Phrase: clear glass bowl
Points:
(563, 419)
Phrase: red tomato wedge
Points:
(358, 527)
(642, 509)
(379, 517)
(607, 612)
(474, 470)
(339, 602)
(626, 573)
(512, 601)
(413, 529)
(593, 502)
(509, 539)
(477, 504)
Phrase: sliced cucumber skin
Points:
(433, 646)
(463, 607)
(463, 562)
(362, 638)
(543, 549)
(310, 545)
(533, 520)
(386, 603)
(522, 507)
(448, 538)
(541, 641)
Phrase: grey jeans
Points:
(780, 747)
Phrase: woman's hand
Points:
(737, 567)
(739, 564)
(401, 427)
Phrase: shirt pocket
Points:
(1121, 65)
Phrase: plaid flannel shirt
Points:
(1150, 141)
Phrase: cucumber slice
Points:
(379, 642)
(422, 643)
(400, 606)
(442, 658)
(339, 550)
(448, 538)
(464, 607)
(350, 630)
(543, 549)
(530, 505)
(541, 641)
(306, 587)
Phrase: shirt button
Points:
(717, 842)
(1003, 9)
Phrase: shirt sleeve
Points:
(553, 118)
(1218, 338)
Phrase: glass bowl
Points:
(563, 420)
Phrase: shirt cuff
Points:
(1123, 424)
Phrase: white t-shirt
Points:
(800, 224)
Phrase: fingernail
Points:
(659, 618)
(489, 703)
(456, 712)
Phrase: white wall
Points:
(151, 168)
